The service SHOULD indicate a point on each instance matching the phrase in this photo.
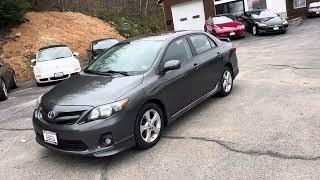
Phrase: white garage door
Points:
(188, 16)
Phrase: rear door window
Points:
(201, 43)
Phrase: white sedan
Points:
(55, 63)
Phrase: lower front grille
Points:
(58, 78)
(66, 145)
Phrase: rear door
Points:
(209, 63)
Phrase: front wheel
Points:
(14, 81)
(3, 90)
(254, 30)
(148, 126)
(226, 82)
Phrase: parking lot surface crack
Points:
(15, 129)
(289, 66)
(251, 152)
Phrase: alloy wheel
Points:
(150, 126)
(254, 30)
(227, 81)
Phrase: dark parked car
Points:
(130, 93)
(98, 47)
(225, 25)
(7, 79)
(314, 9)
(264, 21)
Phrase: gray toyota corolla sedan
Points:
(130, 93)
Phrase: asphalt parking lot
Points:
(268, 128)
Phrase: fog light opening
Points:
(106, 140)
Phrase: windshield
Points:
(224, 19)
(263, 14)
(133, 58)
(54, 53)
(104, 44)
(315, 5)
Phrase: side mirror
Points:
(76, 54)
(33, 61)
(171, 65)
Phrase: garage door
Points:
(188, 16)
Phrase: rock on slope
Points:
(48, 28)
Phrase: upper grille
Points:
(61, 117)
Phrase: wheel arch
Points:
(229, 65)
(162, 107)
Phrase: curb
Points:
(295, 21)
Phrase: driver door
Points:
(179, 86)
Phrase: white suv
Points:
(55, 63)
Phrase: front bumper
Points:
(231, 34)
(49, 77)
(85, 139)
(313, 14)
(271, 29)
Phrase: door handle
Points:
(196, 66)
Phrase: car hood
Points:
(58, 64)
(90, 90)
(270, 21)
(229, 25)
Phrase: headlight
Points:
(105, 111)
(76, 66)
(37, 70)
(285, 22)
(261, 24)
(38, 101)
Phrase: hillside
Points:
(48, 28)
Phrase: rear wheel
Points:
(3, 90)
(148, 126)
(226, 82)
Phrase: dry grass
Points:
(48, 28)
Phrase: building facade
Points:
(191, 14)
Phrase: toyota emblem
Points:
(51, 115)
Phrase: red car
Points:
(226, 25)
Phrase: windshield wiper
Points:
(95, 72)
(60, 57)
(116, 72)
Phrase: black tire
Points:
(3, 90)
(255, 30)
(14, 81)
(226, 91)
(140, 142)
(39, 84)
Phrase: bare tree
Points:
(146, 10)
(62, 5)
